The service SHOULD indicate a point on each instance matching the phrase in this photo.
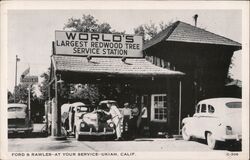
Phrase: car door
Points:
(194, 123)
(212, 120)
(203, 120)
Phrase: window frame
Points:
(198, 108)
(208, 109)
(152, 117)
(202, 107)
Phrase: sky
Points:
(31, 32)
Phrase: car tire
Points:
(185, 135)
(211, 142)
(27, 133)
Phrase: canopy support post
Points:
(179, 127)
(56, 115)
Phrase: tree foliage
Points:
(87, 92)
(44, 85)
(88, 23)
(21, 94)
(150, 30)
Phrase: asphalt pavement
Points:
(40, 142)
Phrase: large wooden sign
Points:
(97, 44)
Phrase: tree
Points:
(44, 85)
(150, 30)
(88, 24)
(87, 92)
(21, 93)
(229, 77)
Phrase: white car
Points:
(216, 120)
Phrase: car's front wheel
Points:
(185, 135)
(211, 141)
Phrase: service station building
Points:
(168, 74)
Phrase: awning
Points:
(131, 67)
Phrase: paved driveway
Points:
(138, 145)
(36, 142)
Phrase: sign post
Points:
(29, 80)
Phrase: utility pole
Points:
(17, 60)
(29, 109)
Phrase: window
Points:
(159, 107)
(210, 109)
(233, 104)
(15, 109)
(203, 108)
(82, 109)
(198, 109)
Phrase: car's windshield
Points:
(15, 109)
(103, 106)
(233, 104)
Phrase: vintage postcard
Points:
(124, 80)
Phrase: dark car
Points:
(92, 122)
(18, 119)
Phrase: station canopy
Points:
(79, 67)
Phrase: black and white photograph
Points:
(146, 80)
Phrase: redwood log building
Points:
(180, 66)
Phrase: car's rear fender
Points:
(188, 124)
(217, 132)
(186, 120)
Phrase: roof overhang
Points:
(186, 33)
(102, 67)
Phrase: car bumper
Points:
(97, 133)
(232, 137)
(19, 130)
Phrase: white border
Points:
(242, 5)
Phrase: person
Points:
(127, 115)
(133, 121)
(142, 120)
(116, 118)
(71, 119)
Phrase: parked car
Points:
(92, 122)
(18, 119)
(215, 120)
(65, 110)
(103, 105)
(65, 113)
